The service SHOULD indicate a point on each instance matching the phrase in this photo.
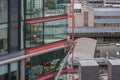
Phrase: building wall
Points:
(10, 39)
(106, 17)
(27, 25)
(84, 18)
(79, 20)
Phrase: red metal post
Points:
(73, 26)
(73, 22)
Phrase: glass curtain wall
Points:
(44, 8)
(39, 34)
(39, 66)
(9, 23)
(3, 26)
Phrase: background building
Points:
(99, 22)
(112, 3)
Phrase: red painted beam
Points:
(46, 19)
(55, 74)
(45, 47)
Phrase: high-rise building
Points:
(33, 38)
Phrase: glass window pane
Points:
(55, 31)
(3, 38)
(14, 66)
(34, 35)
(3, 11)
(45, 8)
(34, 9)
(41, 65)
(4, 72)
(3, 69)
(14, 71)
(55, 7)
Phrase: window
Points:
(55, 31)
(44, 64)
(77, 11)
(55, 7)
(34, 9)
(5, 74)
(34, 35)
(39, 34)
(3, 11)
(3, 38)
(14, 71)
(44, 8)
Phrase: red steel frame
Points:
(73, 26)
(47, 19)
(45, 47)
(55, 73)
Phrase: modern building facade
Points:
(106, 17)
(33, 38)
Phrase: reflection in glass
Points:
(39, 34)
(55, 31)
(3, 38)
(45, 8)
(54, 7)
(44, 64)
(34, 9)
(34, 35)
(14, 71)
(4, 72)
(3, 11)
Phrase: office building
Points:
(33, 38)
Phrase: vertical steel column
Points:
(9, 72)
(25, 11)
(19, 24)
(8, 40)
(73, 21)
